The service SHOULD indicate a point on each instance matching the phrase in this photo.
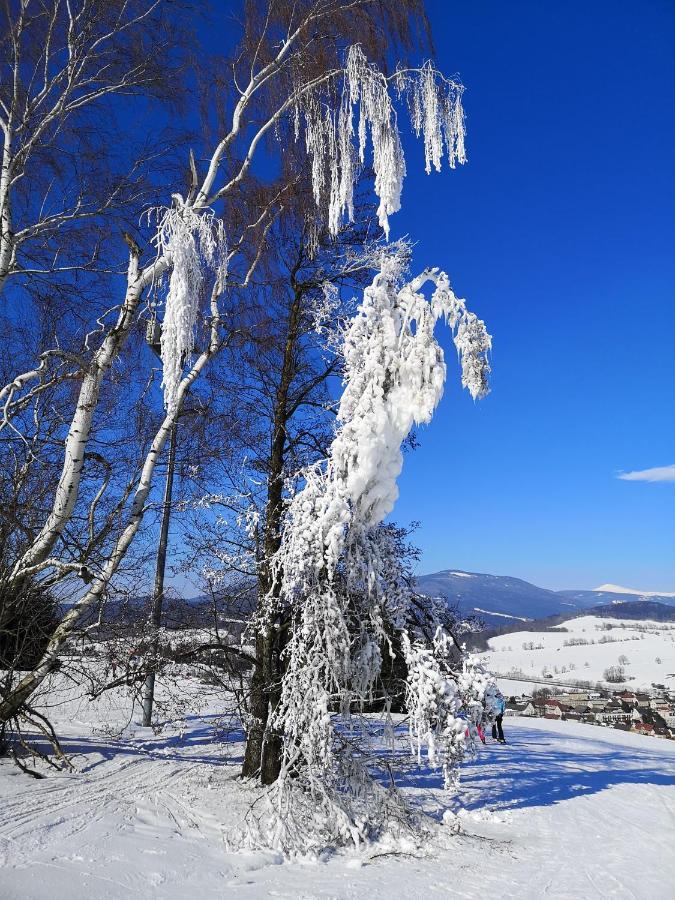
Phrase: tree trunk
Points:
(67, 491)
(158, 593)
(7, 249)
(262, 756)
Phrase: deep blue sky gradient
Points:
(560, 232)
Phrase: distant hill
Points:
(499, 598)
(629, 610)
(636, 609)
(617, 589)
(495, 597)
(608, 597)
(177, 612)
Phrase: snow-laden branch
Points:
(442, 703)
(337, 150)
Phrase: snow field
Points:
(562, 810)
(642, 642)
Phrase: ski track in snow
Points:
(563, 811)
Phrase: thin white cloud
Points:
(660, 473)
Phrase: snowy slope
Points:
(145, 817)
(642, 642)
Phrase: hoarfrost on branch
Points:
(194, 241)
(337, 149)
(191, 239)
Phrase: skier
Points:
(499, 707)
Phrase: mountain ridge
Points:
(495, 597)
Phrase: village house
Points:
(627, 697)
(643, 728)
(613, 716)
(525, 708)
(576, 700)
(553, 709)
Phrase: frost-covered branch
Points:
(195, 244)
(337, 149)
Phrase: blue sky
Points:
(560, 232)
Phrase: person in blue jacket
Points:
(499, 707)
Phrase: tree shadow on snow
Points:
(535, 769)
(198, 732)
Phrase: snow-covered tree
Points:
(614, 674)
(309, 78)
(335, 572)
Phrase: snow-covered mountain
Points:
(608, 594)
(617, 589)
(495, 598)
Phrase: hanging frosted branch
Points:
(338, 151)
(195, 243)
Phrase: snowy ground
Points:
(564, 810)
(648, 646)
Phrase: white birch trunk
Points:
(6, 242)
(67, 490)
